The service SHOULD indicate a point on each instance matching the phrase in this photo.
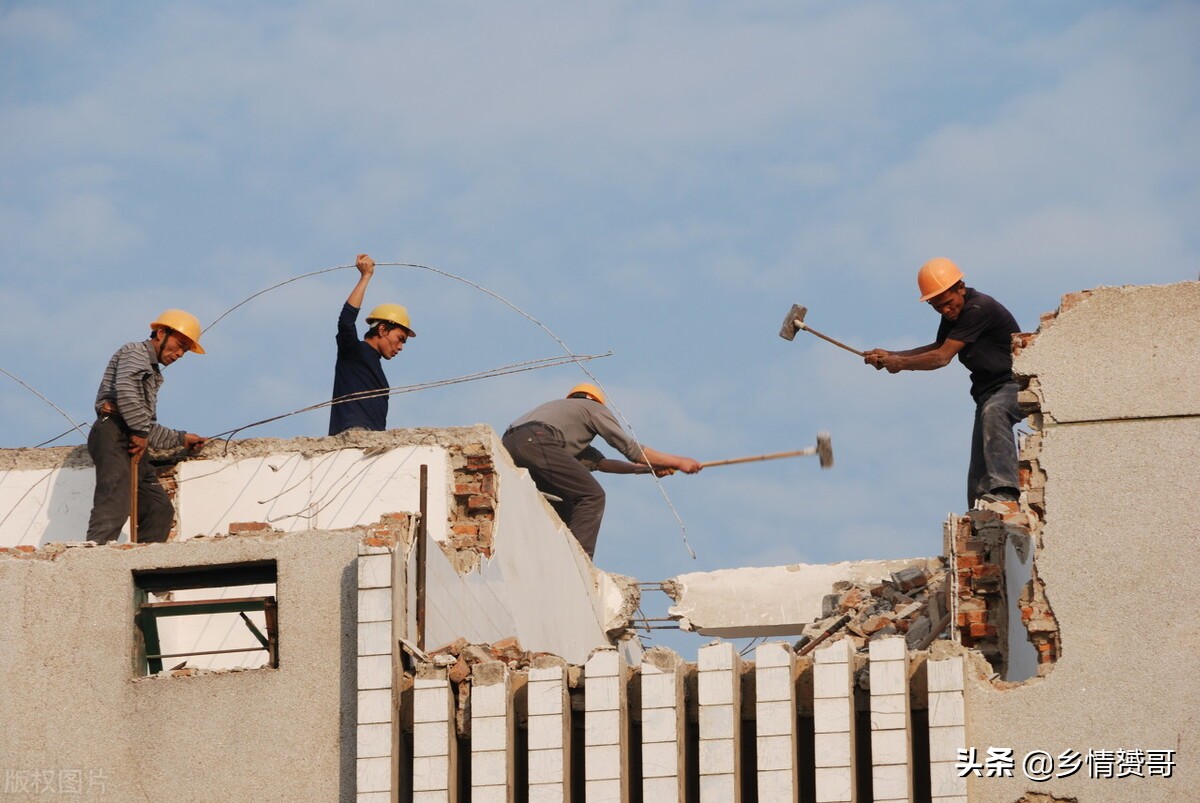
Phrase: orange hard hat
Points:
(591, 391)
(937, 276)
(182, 323)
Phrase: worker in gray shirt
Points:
(553, 442)
(127, 423)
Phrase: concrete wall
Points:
(71, 700)
(347, 481)
(1119, 392)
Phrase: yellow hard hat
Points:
(391, 313)
(594, 393)
(937, 276)
(182, 323)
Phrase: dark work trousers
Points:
(993, 446)
(539, 449)
(108, 444)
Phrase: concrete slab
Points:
(769, 601)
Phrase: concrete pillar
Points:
(891, 722)
(492, 734)
(947, 729)
(720, 697)
(549, 703)
(376, 734)
(775, 713)
(663, 727)
(833, 722)
(435, 747)
(605, 728)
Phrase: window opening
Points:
(211, 617)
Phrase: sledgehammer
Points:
(794, 322)
(823, 449)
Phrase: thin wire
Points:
(269, 289)
(629, 426)
(74, 425)
(528, 365)
(56, 437)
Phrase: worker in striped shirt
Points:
(127, 423)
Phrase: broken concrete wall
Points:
(73, 701)
(534, 559)
(491, 564)
(1113, 377)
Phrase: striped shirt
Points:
(130, 383)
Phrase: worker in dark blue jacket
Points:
(360, 388)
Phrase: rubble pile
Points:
(912, 603)
(460, 658)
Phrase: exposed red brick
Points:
(1072, 300)
(236, 527)
(460, 671)
(480, 503)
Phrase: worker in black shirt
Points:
(979, 330)
(358, 378)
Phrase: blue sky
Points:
(662, 180)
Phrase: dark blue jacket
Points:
(358, 369)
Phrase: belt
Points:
(534, 425)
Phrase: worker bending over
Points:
(358, 378)
(127, 422)
(979, 330)
(553, 442)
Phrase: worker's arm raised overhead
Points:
(366, 269)
(925, 358)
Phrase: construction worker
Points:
(358, 375)
(978, 329)
(553, 442)
(127, 423)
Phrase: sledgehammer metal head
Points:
(824, 448)
(793, 322)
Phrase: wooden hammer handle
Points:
(133, 500)
(827, 338)
(756, 458)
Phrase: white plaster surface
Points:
(770, 601)
(535, 559)
(295, 491)
(1124, 352)
(1119, 549)
(39, 506)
